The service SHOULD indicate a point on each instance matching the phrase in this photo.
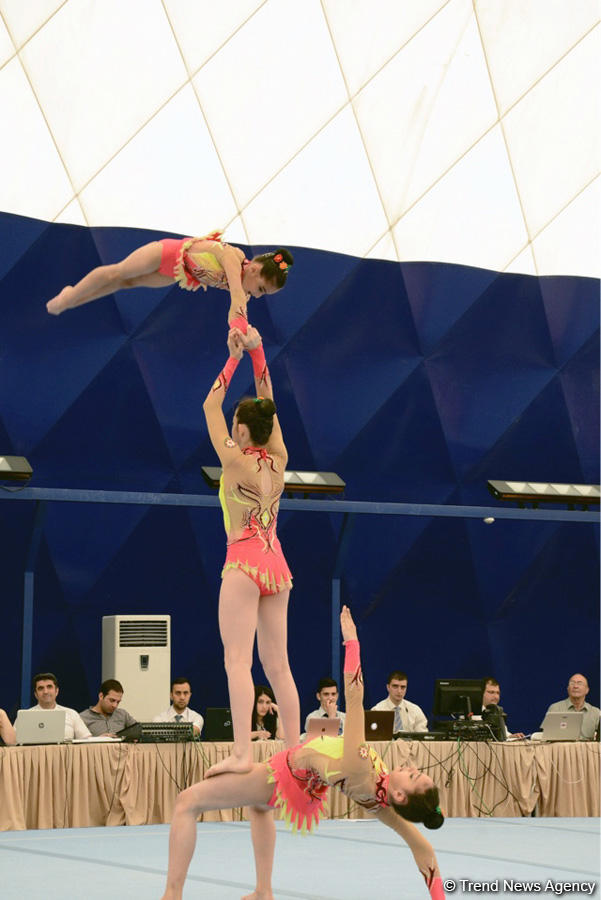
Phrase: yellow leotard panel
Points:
(226, 513)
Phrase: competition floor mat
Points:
(343, 860)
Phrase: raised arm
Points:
(252, 341)
(354, 724)
(225, 448)
(422, 849)
(230, 259)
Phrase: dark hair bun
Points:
(287, 255)
(433, 820)
(266, 407)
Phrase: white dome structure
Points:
(450, 130)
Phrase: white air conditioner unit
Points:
(136, 650)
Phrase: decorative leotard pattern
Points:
(301, 777)
(193, 270)
(257, 551)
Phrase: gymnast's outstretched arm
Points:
(422, 849)
(354, 724)
(252, 342)
(224, 446)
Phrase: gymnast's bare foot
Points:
(60, 303)
(237, 764)
(259, 895)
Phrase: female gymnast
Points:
(265, 724)
(190, 262)
(256, 581)
(296, 781)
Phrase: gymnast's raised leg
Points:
(139, 269)
(223, 792)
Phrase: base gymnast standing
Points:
(296, 781)
(256, 581)
(190, 262)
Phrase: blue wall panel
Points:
(415, 382)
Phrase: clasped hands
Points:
(238, 342)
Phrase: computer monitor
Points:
(457, 696)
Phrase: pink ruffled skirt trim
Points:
(299, 794)
(173, 251)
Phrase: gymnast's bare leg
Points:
(242, 613)
(272, 642)
(139, 269)
(238, 612)
(222, 792)
(262, 831)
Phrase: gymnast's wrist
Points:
(229, 369)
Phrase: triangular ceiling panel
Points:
(90, 443)
(580, 383)
(537, 445)
(278, 122)
(476, 403)
(440, 295)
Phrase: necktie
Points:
(398, 721)
(178, 718)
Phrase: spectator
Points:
(407, 716)
(265, 724)
(45, 689)
(576, 702)
(179, 711)
(327, 694)
(492, 697)
(106, 718)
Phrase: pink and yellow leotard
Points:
(192, 270)
(301, 777)
(256, 551)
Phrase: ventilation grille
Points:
(149, 633)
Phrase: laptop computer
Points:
(40, 726)
(378, 724)
(562, 726)
(218, 725)
(322, 726)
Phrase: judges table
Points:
(77, 785)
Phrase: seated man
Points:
(7, 731)
(492, 696)
(407, 716)
(45, 688)
(106, 717)
(576, 702)
(327, 694)
(179, 711)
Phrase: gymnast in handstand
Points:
(256, 580)
(296, 781)
(189, 262)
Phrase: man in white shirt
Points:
(179, 711)
(407, 716)
(327, 694)
(45, 689)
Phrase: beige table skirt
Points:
(78, 785)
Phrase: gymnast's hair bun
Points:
(434, 819)
(265, 407)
